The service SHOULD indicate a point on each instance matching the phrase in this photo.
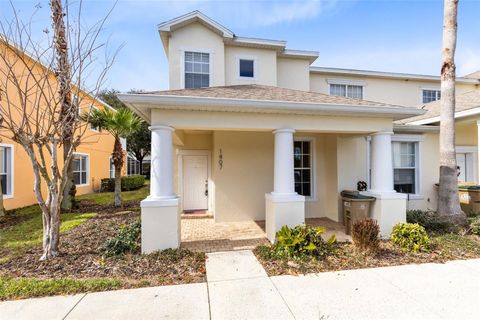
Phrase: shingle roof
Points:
(464, 101)
(267, 93)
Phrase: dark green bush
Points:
(429, 220)
(410, 237)
(303, 241)
(128, 183)
(474, 224)
(365, 234)
(126, 240)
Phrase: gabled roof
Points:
(165, 29)
(262, 99)
(466, 104)
(469, 79)
(194, 16)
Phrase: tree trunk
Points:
(68, 109)
(448, 201)
(117, 158)
(118, 187)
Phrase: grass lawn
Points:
(83, 266)
(107, 197)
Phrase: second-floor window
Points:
(197, 70)
(246, 68)
(346, 90)
(430, 95)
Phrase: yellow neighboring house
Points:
(91, 163)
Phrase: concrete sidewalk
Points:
(238, 288)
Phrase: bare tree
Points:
(33, 100)
(448, 201)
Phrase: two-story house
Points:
(250, 130)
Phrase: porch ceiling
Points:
(262, 99)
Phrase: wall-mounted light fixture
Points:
(220, 159)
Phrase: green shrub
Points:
(126, 240)
(410, 237)
(474, 224)
(128, 183)
(365, 234)
(303, 241)
(429, 220)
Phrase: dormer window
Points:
(197, 70)
(246, 68)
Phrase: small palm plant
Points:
(120, 124)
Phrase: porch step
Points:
(196, 216)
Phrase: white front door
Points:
(465, 166)
(195, 183)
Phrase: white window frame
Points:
(417, 139)
(428, 89)
(210, 52)
(246, 57)
(313, 171)
(474, 152)
(137, 163)
(346, 83)
(10, 181)
(87, 183)
(94, 129)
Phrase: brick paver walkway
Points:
(203, 234)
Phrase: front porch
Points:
(203, 234)
(249, 153)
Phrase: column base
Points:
(160, 224)
(388, 209)
(283, 209)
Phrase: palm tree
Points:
(448, 201)
(120, 124)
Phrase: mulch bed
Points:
(80, 256)
(347, 258)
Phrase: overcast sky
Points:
(384, 35)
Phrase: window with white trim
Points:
(197, 70)
(80, 169)
(133, 166)
(303, 170)
(346, 90)
(405, 166)
(246, 68)
(6, 170)
(430, 95)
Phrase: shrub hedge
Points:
(303, 242)
(128, 183)
(410, 237)
(429, 220)
(474, 224)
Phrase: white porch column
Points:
(389, 207)
(161, 169)
(283, 206)
(283, 179)
(159, 211)
(381, 163)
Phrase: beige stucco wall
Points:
(202, 120)
(466, 133)
(265, 66)
(195, 37)
(394, 91)
(293, 74)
